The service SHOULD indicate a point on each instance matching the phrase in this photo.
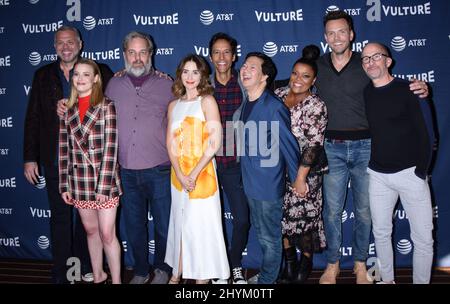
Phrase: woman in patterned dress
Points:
(195, 243)
(302, 224)
(88, 169)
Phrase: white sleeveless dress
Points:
(195, 224)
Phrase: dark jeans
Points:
(68, 237)
(141, 187)
(230, 180)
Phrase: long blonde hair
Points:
(97, 91)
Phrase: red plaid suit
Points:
(88, 153)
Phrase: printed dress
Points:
(195, 226)
(302, 217)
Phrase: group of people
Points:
(280, 157)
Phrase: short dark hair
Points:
(226, 37)
(268, 66)
(335, 15)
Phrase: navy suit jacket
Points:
(265, 156)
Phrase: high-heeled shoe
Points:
(304, 269)
(105, 281)
(174, 280)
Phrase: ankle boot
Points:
(304, 269)
(290, 268)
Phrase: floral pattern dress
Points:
(302, 217)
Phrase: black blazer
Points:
(41, 121)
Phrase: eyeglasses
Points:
(374, 57)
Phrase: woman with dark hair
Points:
(302, 225)
(195, 244)
(88, 169)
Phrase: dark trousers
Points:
(141, 187)
(68, 237)
(230, 180)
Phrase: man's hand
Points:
(120, 73)
(61, 107)
(67, 198)
(419, 87)
(163, 75)
(31, 172)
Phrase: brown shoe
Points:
(330, 274)
(362, 277)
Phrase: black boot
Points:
(290, 268)
(304, 269)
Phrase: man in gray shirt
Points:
(141, 97)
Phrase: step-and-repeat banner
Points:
(418, 31)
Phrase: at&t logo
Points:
(33, 1)
(344, 216)
(35, 58)
(398, 43)
(89, 22)
(207, 17)
(164, 51)
(271, 49)
(404, 246)
(4, 152)
(6, 211)
(43, 242)
(350, 11)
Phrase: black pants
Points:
(68, 237)
(231, 181)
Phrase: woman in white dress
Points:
(195, 244)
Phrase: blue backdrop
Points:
(417, 31)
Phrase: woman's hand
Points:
(301, 187)
(187, 182)
(67, 198)
(101, 198)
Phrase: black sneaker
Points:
(238, 277)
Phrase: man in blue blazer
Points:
(267, 151)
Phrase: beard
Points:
(137, 72)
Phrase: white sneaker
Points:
(219, 281)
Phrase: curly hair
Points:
(204, 87)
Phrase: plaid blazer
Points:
(88, 153)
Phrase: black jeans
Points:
(230, 180)
(68, 237)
